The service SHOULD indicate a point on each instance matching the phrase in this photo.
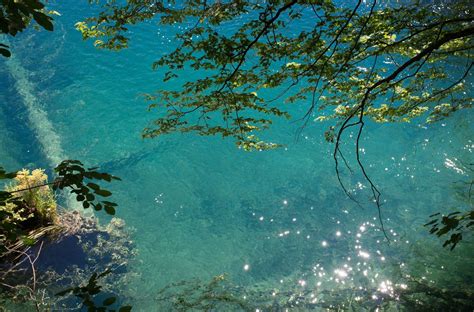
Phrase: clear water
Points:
(202, 207)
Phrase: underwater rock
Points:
(83, 242)
(69, 256)
(65, 248)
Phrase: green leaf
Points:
(93, 175)
(109, 203)
(43, 20)
(5, 52)
(110, 210)
(125, 309)
(103, 193)
(28, 241)
(109, 301)
(34, 4)
(93, 186)
(106, 177)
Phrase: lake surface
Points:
(276, 221)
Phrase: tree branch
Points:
(360, 109)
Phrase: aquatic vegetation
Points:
(87, 293)
(221, 294)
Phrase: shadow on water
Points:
(131, 159)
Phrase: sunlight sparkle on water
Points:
(340, 273)
(386, 287)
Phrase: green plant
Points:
(352, 62)
(16, 16)
(9, 227)
(28, 212)
(87, 293)
(37, 198)
(73, 176)
(29, 205)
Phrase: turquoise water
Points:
(201, 207)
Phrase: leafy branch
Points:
(350, 63)
(73, 175)
(360, 109)
(86, 293)
(16, 16)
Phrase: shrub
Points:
(38, 204)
